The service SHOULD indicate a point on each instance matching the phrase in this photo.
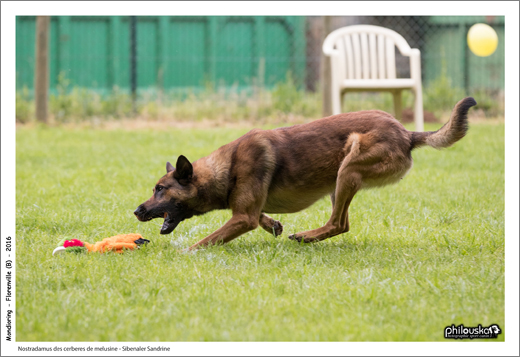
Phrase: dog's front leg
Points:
(270, 225)
(236, 226)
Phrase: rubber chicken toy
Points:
(116, 244)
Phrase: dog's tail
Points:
(451, 132)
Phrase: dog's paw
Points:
(296, 237)
(277, 228)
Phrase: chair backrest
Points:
(365, 51)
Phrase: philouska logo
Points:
(462, 331)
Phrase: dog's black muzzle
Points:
(144, 215)
(171, 220)
(140, 211)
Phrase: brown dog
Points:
(287, 169)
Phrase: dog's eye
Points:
(158, 188)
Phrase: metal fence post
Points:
(115, 37)
(41, 78)
(325, 71)
(133, 61)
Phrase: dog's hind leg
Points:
(347, 185)
(270, 225)
(333, 198)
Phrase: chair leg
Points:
(418, 110)
(397, 104)
(336, 101)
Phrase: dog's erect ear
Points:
(183, 170)
(169, 167)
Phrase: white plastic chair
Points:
(363, 59)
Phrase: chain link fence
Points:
(441, 39)
(236, 66)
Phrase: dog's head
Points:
(172, 198)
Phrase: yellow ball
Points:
(482, 40)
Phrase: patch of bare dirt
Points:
(474, 116)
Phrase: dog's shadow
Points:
(282, 245)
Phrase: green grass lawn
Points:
(421, 255)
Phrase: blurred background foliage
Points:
(247, 68)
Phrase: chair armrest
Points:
(415, 65)
(409, 52)
(329, 50)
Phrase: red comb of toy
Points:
(73, 243)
